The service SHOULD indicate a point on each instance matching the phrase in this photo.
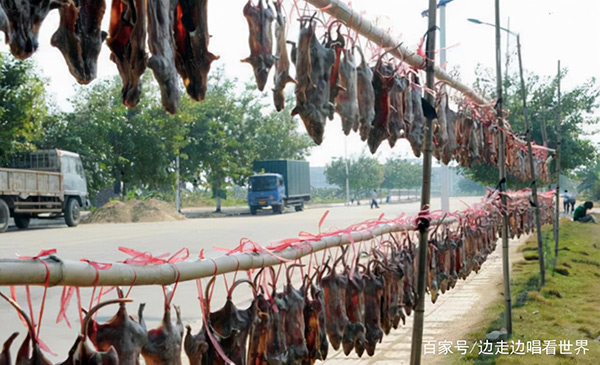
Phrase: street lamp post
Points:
(529, 150)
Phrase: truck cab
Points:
(266, 190)
(279, 184)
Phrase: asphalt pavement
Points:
(100, 242)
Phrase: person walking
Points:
(374, 199)
(580, 214)
(568, 202)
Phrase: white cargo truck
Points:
(42, 184)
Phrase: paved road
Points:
(100, 242)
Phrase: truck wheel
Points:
(277, 209)
(22, 220)
(72, 212)
(4, 216)
(300, 207)
(253, 210)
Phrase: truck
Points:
(279, 184)
(42, 184)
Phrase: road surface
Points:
(100, 242)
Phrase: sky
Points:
(550, 30)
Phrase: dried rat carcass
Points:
(383, 80)
(127, 42)
(25, 18)
(365, 96)
(122, 332)
(346, 101)
(337, 45)
(291, 304)
(261, 40)
(191, 39)
(231, 326)
(440, 129)
(164, 342)
(374, 286)
(25, 356)
(82, 352)
(334, 287)
(282, 61)
(354, 334)
(396, 124)
(416, 133)
(450, 147)
(5, 354)
(161, 15)
(79, 38)
(314, 320)
(195, 346)
(313, 70)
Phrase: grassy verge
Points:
(566, 309)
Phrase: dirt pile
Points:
(152, 210)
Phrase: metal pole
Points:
(417, 335)
(558, 126)
(538, 221)
(178, 194)
(347, 172)
(502, 173)
(445, 170)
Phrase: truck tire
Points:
(22, 220)
(4, 216)
(253, 210)
(72, 212)
(299, 208)
(277, 209)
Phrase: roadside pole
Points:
(178, 194)
(444, 169)
(502, 178)
(558, 136)
(538, 221)
(417, 335)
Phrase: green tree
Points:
(590, 179)
(134, 146)
(400, 173)
(22, 106)
(364, 174)
(579, 108)
(228, 131)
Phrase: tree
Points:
(229, 131)
(400, 173)
(578, 108)
(364, 174)
(133, 146)
(590, 179)
(22, 106)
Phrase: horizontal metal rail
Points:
(82, 274)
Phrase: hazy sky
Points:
(550, 30)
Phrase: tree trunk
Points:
(217, 193)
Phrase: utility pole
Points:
(347, 172)
(538, 221)
(502, 177)
(417, 335)
(178, 193)
(444, 169)
(558, 136)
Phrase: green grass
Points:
(567, 308)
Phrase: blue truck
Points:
(279, 184)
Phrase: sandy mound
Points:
(152, 210)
